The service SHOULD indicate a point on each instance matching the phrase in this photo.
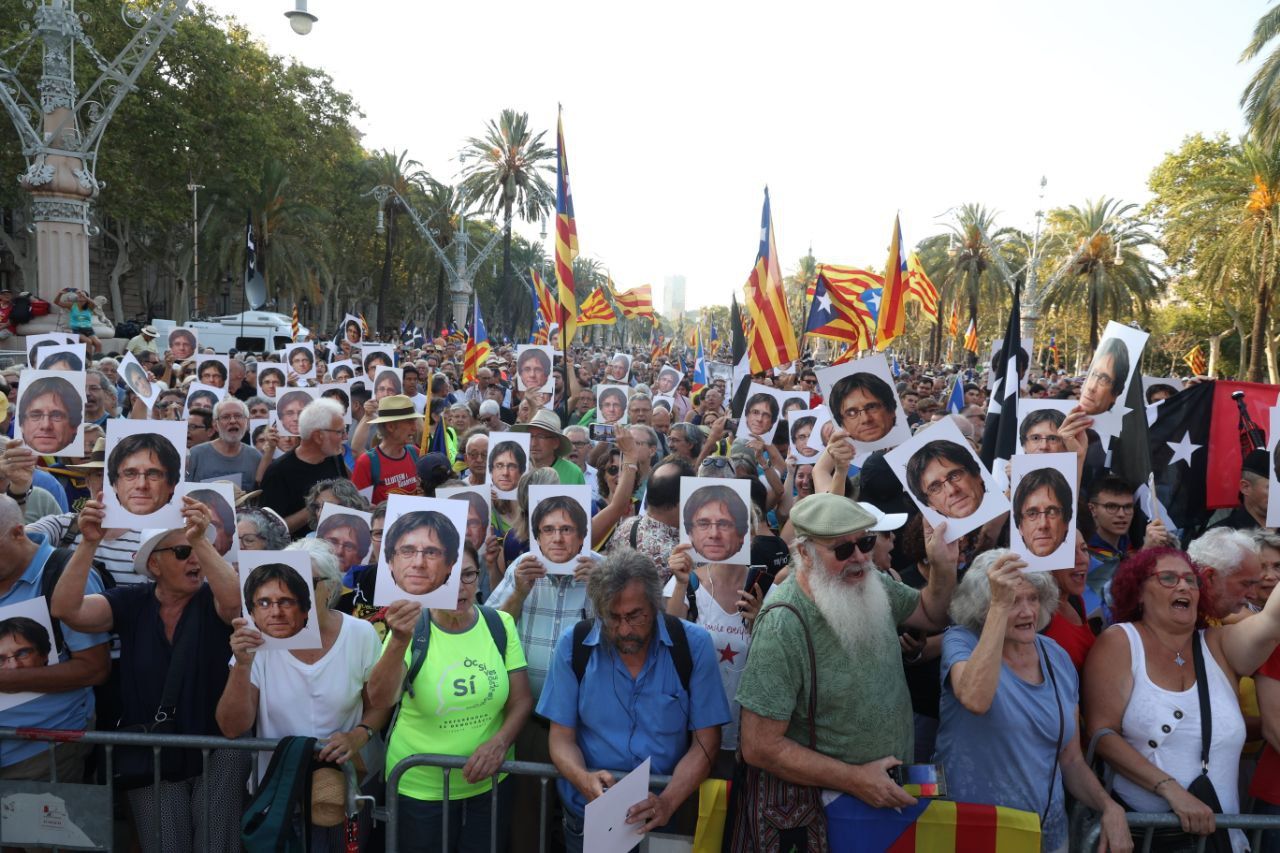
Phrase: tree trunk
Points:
(1259, 343)
(1093, 311)
(384, 284)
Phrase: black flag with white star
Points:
(1178, 439)
(1000, 433)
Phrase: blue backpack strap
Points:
(375, 466)
(680, 653)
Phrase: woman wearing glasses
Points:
(1142, 699)
(266, 687)
(176, 626)
(476, 652)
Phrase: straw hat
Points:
(397, 407)
(149, 331)
(548, 420)
(328, 796)
(97, 459)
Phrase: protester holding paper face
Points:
(180, 619)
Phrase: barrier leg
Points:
(204, 796)
(542, 815)
(155, 794)
(493, 816)
(444, 822)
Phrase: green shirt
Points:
(864, 709)
(458, 701)
(570, 474)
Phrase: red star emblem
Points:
(727, 654)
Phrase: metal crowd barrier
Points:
(543, 772)
(111, 740)
(1255, 823)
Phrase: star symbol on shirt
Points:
(1183, 449)
(727, 654)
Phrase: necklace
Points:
(1177, 653)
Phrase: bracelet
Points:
(19, 498)
(367, 728)
(1155, 789)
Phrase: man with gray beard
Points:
(852, 614)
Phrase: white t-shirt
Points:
(732, 641)
(314, 699)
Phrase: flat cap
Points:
(824, 516)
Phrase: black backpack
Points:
(680, 654)
(21, 311)
(268, 824)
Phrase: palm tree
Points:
(972, 273)
(1242, 207)
(1261, 98)
(407, 178)
(1106, 267)
(503, 172)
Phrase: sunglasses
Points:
(863, 544)
(182, 552)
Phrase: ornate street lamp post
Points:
(61, 130)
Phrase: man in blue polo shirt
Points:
(66, 683)
(630, 701)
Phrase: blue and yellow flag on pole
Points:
(566, 241)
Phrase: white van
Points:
(250, 331)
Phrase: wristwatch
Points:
(22, 498)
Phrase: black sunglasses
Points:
(864, 544)
(182, 552)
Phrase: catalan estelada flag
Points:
(772, 340)
(566, 242)
(544, 298)
(893, 303)
(971, 338)
(834, 316)
(478, 349)
(699, 366)
(1195, 360)
(596, 310)
(295, 323)
(953, 327)
(1053, 350)
(920, 289)
(636, 302)
(713, 339)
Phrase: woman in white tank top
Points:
(1140, 689)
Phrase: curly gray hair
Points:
(972, 598)
(618, 570)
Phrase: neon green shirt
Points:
(457, 704)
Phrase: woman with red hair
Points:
(1142, 701)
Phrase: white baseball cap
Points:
(884, 522)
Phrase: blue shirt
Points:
(1004, 757)
(619, 721)
(50, 484)
(71, 709)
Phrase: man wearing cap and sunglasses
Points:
(837, 608)
(548, 448)
(392, 466)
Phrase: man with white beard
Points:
(852, 615)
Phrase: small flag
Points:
(364, 328)
(772, 341)
(699, 366)
(971, 338)
(892, 321)
(295, 323)
(953, 327)
(544, 300)
(832, 317)
(955, 401)
(596, 311)
(478, 349)
(566, 242)
(1000, 432)
(636, 302)
(1053, 350)
(920, 289)
(1195, 361)
(713, 339)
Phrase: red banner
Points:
(1223, 482)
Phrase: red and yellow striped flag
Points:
(478, 348)
(636, 302)
(892, 321)
(1195, 361)
(920, 288)
(566, 242)
(596, 310)
(953, 327)
(971, 338)
(546, 298)
(295, 323)
(771, 341)
(364, 327)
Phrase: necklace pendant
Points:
(1178, 659)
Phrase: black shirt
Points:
(287, 481)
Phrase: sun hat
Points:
(396, 407)
(97, 459)
(885, 522)
(149, 331)
(548, 420)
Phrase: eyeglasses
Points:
(935, 488)
(376, 534)
(612, 470)
(553, 530)
(1113, 509)
(719, 525)
(285, 603)
(1102, 380)
(1169, 580)
(1052, 513)
(229, 418)
(22, 654)
(1044, 439)
(870, 410)
(343, 547)
(340, 431)
(182, 552)
(152, 475)
(248, 540)
(632, 619)
(408, 552)
(470, 575)
(51, 417)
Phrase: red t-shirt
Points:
(395, 476)
(1266, 779)
(1076, 640)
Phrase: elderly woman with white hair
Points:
(314, 692)
(1008, 732)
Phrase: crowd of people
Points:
(857, 637)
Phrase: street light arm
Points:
(491, 245)
(998, 258)
(17, 101)
(382, 192)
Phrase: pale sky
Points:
(678, 114)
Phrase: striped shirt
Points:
(116, 554)
(554, 603)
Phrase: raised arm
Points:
(1248, 643)
(88, 614)
(222, 579)
(975, 681)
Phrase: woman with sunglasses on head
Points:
(265, 687)
(481, 721)
(1143, 696)
(173, 630)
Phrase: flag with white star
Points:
(830, 316)
(1178, 440)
